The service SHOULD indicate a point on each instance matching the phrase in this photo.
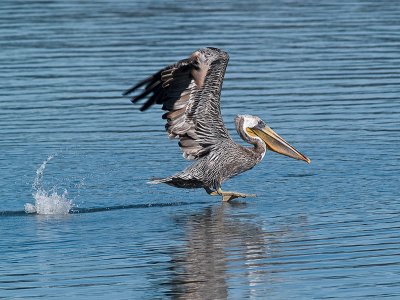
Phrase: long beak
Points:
(277, 144)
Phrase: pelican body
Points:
(189, 91)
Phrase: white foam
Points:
(47, 203)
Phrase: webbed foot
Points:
(228, 196)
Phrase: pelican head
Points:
(252, 127)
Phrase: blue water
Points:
(324, 74)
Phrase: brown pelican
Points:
(189, 91)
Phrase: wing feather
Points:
(189, 91)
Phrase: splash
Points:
(47, 203)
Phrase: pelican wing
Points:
(189, 91)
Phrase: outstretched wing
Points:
(189, 91)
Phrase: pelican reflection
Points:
(220, 247)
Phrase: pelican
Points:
(189, 91)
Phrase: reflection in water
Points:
(217, 250)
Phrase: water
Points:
(46, 203)
(324, 75)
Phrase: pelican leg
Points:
(211, 192)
